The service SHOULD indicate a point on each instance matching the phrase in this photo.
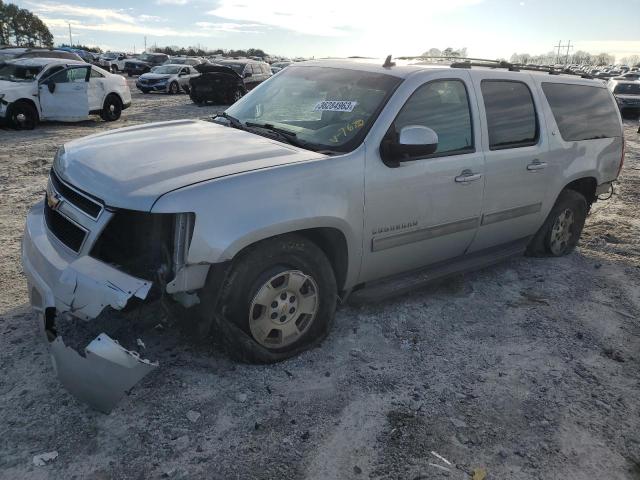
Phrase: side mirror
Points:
(51, 85)
(414, 142)
(247, 74)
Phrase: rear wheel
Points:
(278, 299)
(112, 108)
(23, 116)
(561, 230)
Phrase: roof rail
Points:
(467, 62)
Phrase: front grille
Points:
(80, 200)
(64, 229)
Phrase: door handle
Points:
(467, 176)
(536, 165)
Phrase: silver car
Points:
(331, 176)
(166, 78)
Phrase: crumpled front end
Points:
(62, 284)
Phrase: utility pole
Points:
(566, 58)
(558, 54)
(145, 43)
(70, 38)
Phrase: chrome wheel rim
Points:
(561, 232)
(283, 309)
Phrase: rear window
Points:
(627, 89)
(582, 112)
(511, 114)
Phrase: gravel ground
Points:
(528, 370)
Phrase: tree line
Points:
(22, 28)
(579, 57)
(201, 52)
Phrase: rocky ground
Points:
(526, 370)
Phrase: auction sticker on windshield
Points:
(335, 106)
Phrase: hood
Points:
(131, 167)
(136, 61)
(211, 68)
(8, 88)
(155, 76)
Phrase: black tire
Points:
(129, 74)
(114, 69)
(144, 90)
(227, 304)
(22, 116)
(174, 88)
(112, 108)
(546, 242)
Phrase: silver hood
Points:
(131, 167)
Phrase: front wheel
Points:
(23, 116)
(174, 88)
(112, 108)
(114, 69)
(561, 230)
(279, 298)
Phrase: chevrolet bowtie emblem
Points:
(53, 199)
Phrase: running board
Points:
(386, 288)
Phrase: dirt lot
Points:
(529, 369)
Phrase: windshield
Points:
(627, 89)
(110, 56)
(177, 60)
(166, 69)
(6, 56)
(327, 108)
(19, 73)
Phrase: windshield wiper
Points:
(233, 121)
(287, 135)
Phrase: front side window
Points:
(71, 75)
(326, 108)
(511, 114)
(96, 74)
(582, 112)
(627, 89)
(443, 106)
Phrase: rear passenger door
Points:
(517, 161)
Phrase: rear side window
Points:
(511, 114)
(582, 112)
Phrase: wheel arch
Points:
(23, 100)
(586, 186)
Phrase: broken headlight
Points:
(150, 246)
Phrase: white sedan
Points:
(36, 89)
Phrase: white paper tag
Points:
(335, 106)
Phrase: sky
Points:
(487, 28)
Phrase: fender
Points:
(239, 210)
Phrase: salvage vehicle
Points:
(144, 63)
(252, 72)
(166, 78)
(333, 176)
(36, 89)
(184, 61)
(113, 61)
(216, 83)
(627, 93)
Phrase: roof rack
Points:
(467, 62)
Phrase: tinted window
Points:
(442, 106)
(511, 115)
(582, 112)
(627, 89)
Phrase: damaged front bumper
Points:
(61, 283)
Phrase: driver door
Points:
(425, 210)
(64, 96)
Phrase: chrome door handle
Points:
(536, 165)
(467, 176)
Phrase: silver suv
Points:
(330, 176)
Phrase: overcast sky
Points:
(488, 28)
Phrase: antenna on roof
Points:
(388, 63)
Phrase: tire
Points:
(145, 91)
(129, 74)
(278, 298)
(174, 88)
(22, 116)
(561, 230)
(114, 69)
(112, 108)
